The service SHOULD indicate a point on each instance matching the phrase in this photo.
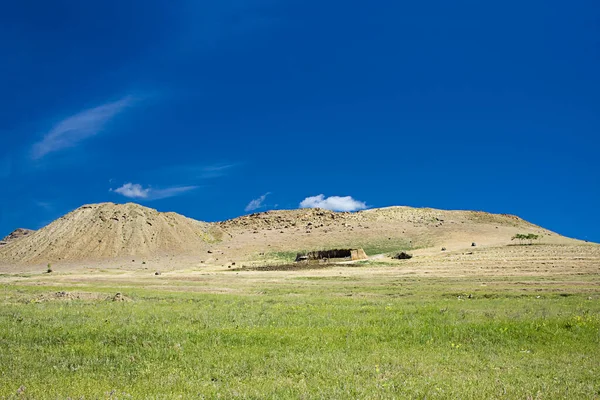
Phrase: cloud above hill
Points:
(137, 191)
(78, 127)
(333, 203)
(257, 203)
(133, 191)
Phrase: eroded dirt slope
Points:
(110, 230)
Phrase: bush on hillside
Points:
(403, 256)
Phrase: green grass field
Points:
(308, 337)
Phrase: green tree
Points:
(529, 237)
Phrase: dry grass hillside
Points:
(269, 234)
(113, 231)
(110, 230)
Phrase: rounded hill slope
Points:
(110, 230)
(377, 231)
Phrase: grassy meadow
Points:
(306, 337)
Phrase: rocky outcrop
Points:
(16, 235)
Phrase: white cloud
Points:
(133, 191)
(333, 203)
(257, 203)
(76, 128)
(137, 191)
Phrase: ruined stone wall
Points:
(336, 254)
(359, 254)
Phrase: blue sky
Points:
(216, 109)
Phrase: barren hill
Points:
(109, 230)
(379, 230)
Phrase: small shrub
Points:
(402, 256)
(49, 268)
(522, 237)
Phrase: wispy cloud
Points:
(44, 205)
(333, 203)
(214, 171)
(194, 172)
(257, 203)
(190, 175)
(76, 128)
(137, 191)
